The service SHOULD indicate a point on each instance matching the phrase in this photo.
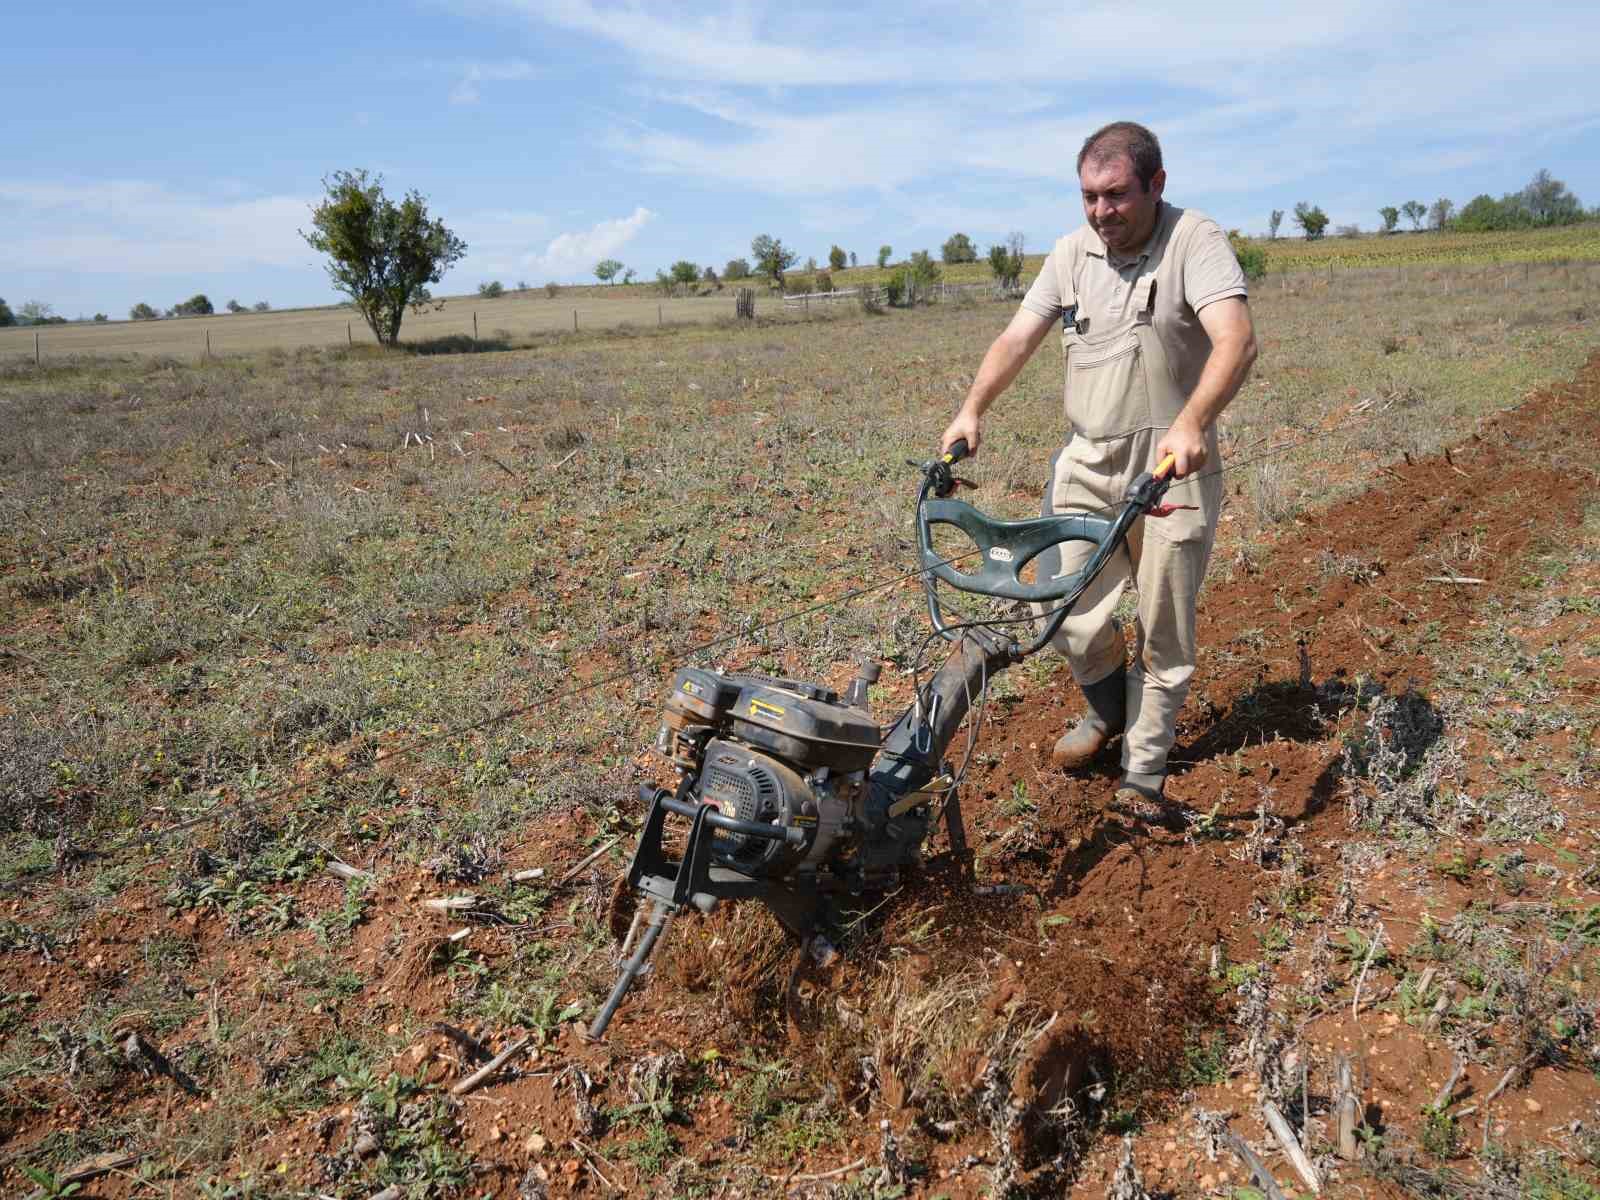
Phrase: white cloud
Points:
(573, 255)
(467, 90)
(145, 228)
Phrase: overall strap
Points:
(1067, 267)
(1144, 298)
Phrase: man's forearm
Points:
(1227, 367)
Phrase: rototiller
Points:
(792, 794)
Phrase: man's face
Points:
(1117, 208)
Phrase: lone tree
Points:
(737, 268)
(836, 258)
(684, 271)
(1414, 210)
(1391, 217)
(772, 257)
(883, 255)
(7, 317)
(607, 269)
(492, 290)
(1311, 219)
(197, 305)
(235, 307)
(382, 255)
(958, 248)
(1439, 212)
(36, 312)
(1275, 220)
(142, 312)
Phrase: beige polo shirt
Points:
(1193, 265)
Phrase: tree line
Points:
(1545, 201)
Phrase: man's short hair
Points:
(1124, 137)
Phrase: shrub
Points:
(883, 255)
(836, 258)
(1348, 231)
(261, 306)
(7, 317)
(492, 290)
(552, 289)
(142, 312)
(1252, 258)
(894, 288)
(235, 307)
(100, 318)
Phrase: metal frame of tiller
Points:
(904, 778)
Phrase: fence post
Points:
(208, 343)
(348, 336)
(474, 324)
(574, 320)
(659, 321)
(36, 347)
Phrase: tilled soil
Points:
(1112, 949)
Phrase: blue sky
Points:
(156, 150)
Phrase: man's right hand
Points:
(965, 425)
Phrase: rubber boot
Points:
(1106, 717)
(1143, 797)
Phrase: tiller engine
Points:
(791, 793)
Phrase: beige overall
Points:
(1121, 396)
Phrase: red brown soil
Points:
(1116, 943)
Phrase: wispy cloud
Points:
(473, 74)
(142, 227)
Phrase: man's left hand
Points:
(1186, 444)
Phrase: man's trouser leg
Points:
(1168, 576)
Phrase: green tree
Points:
(101, 318)
(837, 258)
(772, 258)
(1005, 261)
(35, 312)
(381, 254)
(492, 290)
(261, 306)
(142, 312)
(1414, 210)
(958, 248)
(1439, 213)
(737, 268)
(7, 317)
(607, 269)
(1548, 202)
(684, 271)
(1311, 219)
(1391, 217)
(665, 283)
(1275, 220)
(235, 307)
(883, 255)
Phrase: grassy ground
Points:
(272, 595)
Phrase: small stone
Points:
(496, 1133)
(393, 1030)
(534, 1143)
(1532, 1105)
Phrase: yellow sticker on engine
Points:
(760, 708)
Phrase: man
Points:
(1157, 338)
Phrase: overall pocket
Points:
(1107, 395)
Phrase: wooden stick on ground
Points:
(489, 1068)
(1257, 1168)
(1284, 1136)
(1347, 1109)
(1442, 1099)
(589, 858)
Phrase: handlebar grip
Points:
(958, 450)
(1164, 467)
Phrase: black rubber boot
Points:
(1105, 718)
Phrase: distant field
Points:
(509, 319)
(1577, 243)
